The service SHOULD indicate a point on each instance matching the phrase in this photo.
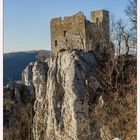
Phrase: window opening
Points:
(55, 42)
(65, 33)
(97, 20)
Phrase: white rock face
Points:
(40, 78)
(65, 88)
(116, 139)
(77, 98)
(27, 75)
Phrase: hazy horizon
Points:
(32, 50)
(27, 23)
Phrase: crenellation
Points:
(67, 18)
(76, 32)
(56, 20)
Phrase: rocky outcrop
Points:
(77, 98)
(80, 95)
(65, 93)
(27, 75)
(40, 106)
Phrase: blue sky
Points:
(27, 22)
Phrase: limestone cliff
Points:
(83, 95)
(27, 75)
(76, 97)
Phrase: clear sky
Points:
(27, 22)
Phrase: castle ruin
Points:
(76, 32)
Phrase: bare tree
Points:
(126, 39)
(124, 34)
(121, 36)
(117, 34)
(131, 12)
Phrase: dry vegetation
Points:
(115, 110)
(18, 112)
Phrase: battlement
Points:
(99, 16)
(76, 32)
(76, 16)
(58, 19)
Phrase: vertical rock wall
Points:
(64, 97)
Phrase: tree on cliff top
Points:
(131, 12)
(124, 33)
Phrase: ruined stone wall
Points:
(68, 33)
(75, 32)
(101, 19)
(91, 35)
(97, 30)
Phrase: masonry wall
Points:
(75, 32)
(97, 30)
(91, 34)
(103, 22)
(68, 33)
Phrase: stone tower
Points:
(101, 17)
(76, 32)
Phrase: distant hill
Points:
(15, 62)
